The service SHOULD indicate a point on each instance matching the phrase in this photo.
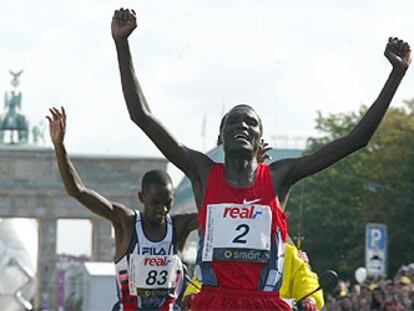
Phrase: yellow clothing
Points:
(298, 279)
(191, 289)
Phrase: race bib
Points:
(237, 232)
(152, 273)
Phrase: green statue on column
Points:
(12, 122)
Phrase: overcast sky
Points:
(288, 59)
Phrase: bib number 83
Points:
(244, 231)
(154, 277)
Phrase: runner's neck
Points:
(240, 173)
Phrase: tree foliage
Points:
(375, 184)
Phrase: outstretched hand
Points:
(398, 53)
(123, 23)
(57, 125)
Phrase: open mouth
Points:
(241, 137)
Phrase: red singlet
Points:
(232, 265)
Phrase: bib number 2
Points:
(244, 231)
(237, 232)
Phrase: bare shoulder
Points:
(122, 214)
(185, 217)
(198, 175)
(185, 222)
(279, 170)
(201, 161)
(282, 165)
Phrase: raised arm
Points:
(399, 54)
(123, 24)
(74, 185)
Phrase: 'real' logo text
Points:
(156, 261)
(241, 212)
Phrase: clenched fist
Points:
(398, 53)
(123, 23)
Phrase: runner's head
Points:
(241, 131)
(157, 195)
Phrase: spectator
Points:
(378, 299)
(376, 294)
(346, 304)
(411, 308)
(403, 292)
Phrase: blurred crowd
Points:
(395, 294)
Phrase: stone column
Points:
(46, 266)
(103, 244)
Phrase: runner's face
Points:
(241, 131)
(157, 200)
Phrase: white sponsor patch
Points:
(152, 272)
(232, 226)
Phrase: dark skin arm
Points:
(285, 173)
(120, 216)
(184, 224)
(194, 164)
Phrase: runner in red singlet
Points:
(241, 228)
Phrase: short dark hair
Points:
(155, 177)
